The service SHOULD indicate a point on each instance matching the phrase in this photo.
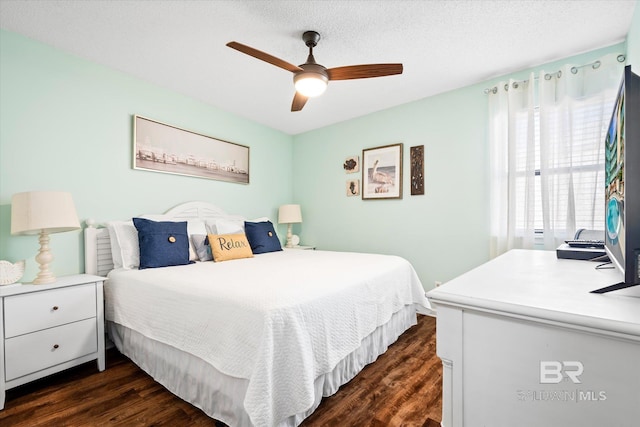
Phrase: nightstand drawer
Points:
(45, 309)
(33, 352)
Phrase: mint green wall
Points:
(66, 124)
(442, 233)
(633, 41)
(428, 230)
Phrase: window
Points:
(575, 165)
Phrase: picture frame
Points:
(416, 154)
(353, 187)
(351, 164)
(160, 147)
(382, 172)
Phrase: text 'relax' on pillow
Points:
(262, 237)
(162, 243)
(229, 246)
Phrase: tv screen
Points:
(622, 183)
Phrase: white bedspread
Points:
(279, 319)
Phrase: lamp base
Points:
(289, 243)
(44, 258)
(44, 279)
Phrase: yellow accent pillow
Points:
(229, 246)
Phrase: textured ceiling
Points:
(443, 45)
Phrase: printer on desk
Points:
(586, 245)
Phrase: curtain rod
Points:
(574, 70)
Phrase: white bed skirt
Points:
(221, 396)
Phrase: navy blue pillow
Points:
(262, 237)
(163, 243)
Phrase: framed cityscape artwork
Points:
(165, 148)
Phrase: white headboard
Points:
(97, 244)
(97, 250)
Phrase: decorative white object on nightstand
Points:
(11, 273)
(49, 328)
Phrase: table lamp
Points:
(43, 212)
(289, 214)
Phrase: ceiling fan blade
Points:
(264, 56)
(364, 71)
(298, 102)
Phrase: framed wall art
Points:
(353, 187)
(351, 164)
(382, 172)
(416, 154)
(165, 148)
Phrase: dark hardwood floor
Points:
(402, 388)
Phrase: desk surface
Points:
(535, 284)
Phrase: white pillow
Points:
(125, 250)
(203, 251)
(195, 226)
(261, 219)
(225, 226)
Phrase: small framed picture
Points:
(382, 172)
(352, 164)
(417, 170)
(353, 187)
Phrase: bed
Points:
(255, 341)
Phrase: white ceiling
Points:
(444, 45)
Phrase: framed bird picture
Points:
(382, 172)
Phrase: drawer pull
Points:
(55, 307)
(55, 346)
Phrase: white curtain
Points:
(546, 140)
(511, 108)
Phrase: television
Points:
(622, 184)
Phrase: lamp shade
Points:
(288, 214)
(34, 211)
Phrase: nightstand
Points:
(302, 248)
(49, 328)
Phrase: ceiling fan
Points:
(310, 79)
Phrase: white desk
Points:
(516, 334)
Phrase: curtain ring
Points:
(547, 76)
(621, 58)
(596, 65)
(494, 90)
(574, 70)
(506, 87)
(515, 85)
(559, 73)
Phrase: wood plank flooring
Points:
(402, 388)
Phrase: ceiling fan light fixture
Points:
(310, 84)
(310, 79)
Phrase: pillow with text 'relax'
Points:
(229, 246)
